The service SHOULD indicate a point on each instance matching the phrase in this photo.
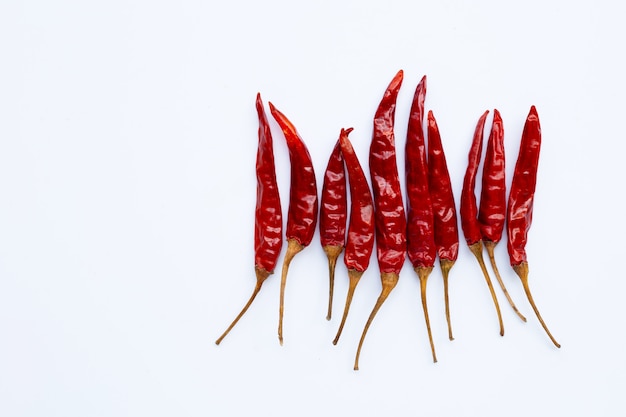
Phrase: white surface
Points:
(127, 189)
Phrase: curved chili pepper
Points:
(469, 211)
(520, 205)
(492, 210)
(420, 234)
(333, 216)
(444, 209)
(268, 225)
(388, 207)
(360, 243)
(303, 206)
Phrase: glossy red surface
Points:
(268, 225)
(444, 209)
(303, 204)
(333, 201)
(388, 206)
(420, 234)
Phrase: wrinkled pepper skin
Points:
(360, 242)
(420, 234)
(303, 204)
(268, 226)
(444, 209)
(521, 196)
(469, 209)
(388, 206)
(333, 202)
(492, 211)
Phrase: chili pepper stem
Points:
(293, 248)
(490, 246)
(261, 276)
(332, 252)
(423, 273)
(522, 271)
(477, 250)
(389, 281)
(354, 276)
(446, 265)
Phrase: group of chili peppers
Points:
(427, 229)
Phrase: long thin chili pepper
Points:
(444, 209)
(303, 205)
(520, 205)
(360, 242)
(333, 216)
(420, 234)
(268, 225)
(469, 210)
(388, 207)
(492, 210)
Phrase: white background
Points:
(127, 192)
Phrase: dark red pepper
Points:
(268, 225)
(469, 210)
(520, 205)
(360, 243)
(444, 209)
(389, 213)
(420, 233)
(303, 205)
(492, 210)
(333, 216)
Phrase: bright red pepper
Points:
(492, 210)
(444, 209)
(268, 225)
(303, 205)
(360, 243)
(520, 205)
(388, 206)
(420, 228)
(333, 216)
(469, 210)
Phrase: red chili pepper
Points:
(268, 225)
(360, 242)
(388, 207)
(520, 205)
(492, 211)
(303, 205)
(444, 209)
(420, 234)
(333, 216)
(469, 210)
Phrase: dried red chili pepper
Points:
(420, 234)
(268, 225)
(469, 210)
(520, 204)
(444, 210)
(360, 242)
(389, 214)
(303, 205)
(492, 210)
(333, 216)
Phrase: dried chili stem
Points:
(489, 245)
(389, 281)
(293, 248)
(261, 276)
(423, 273)
(446, 265)
(332, 252)
(477, 250)
(522, 271)
(354, 277)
